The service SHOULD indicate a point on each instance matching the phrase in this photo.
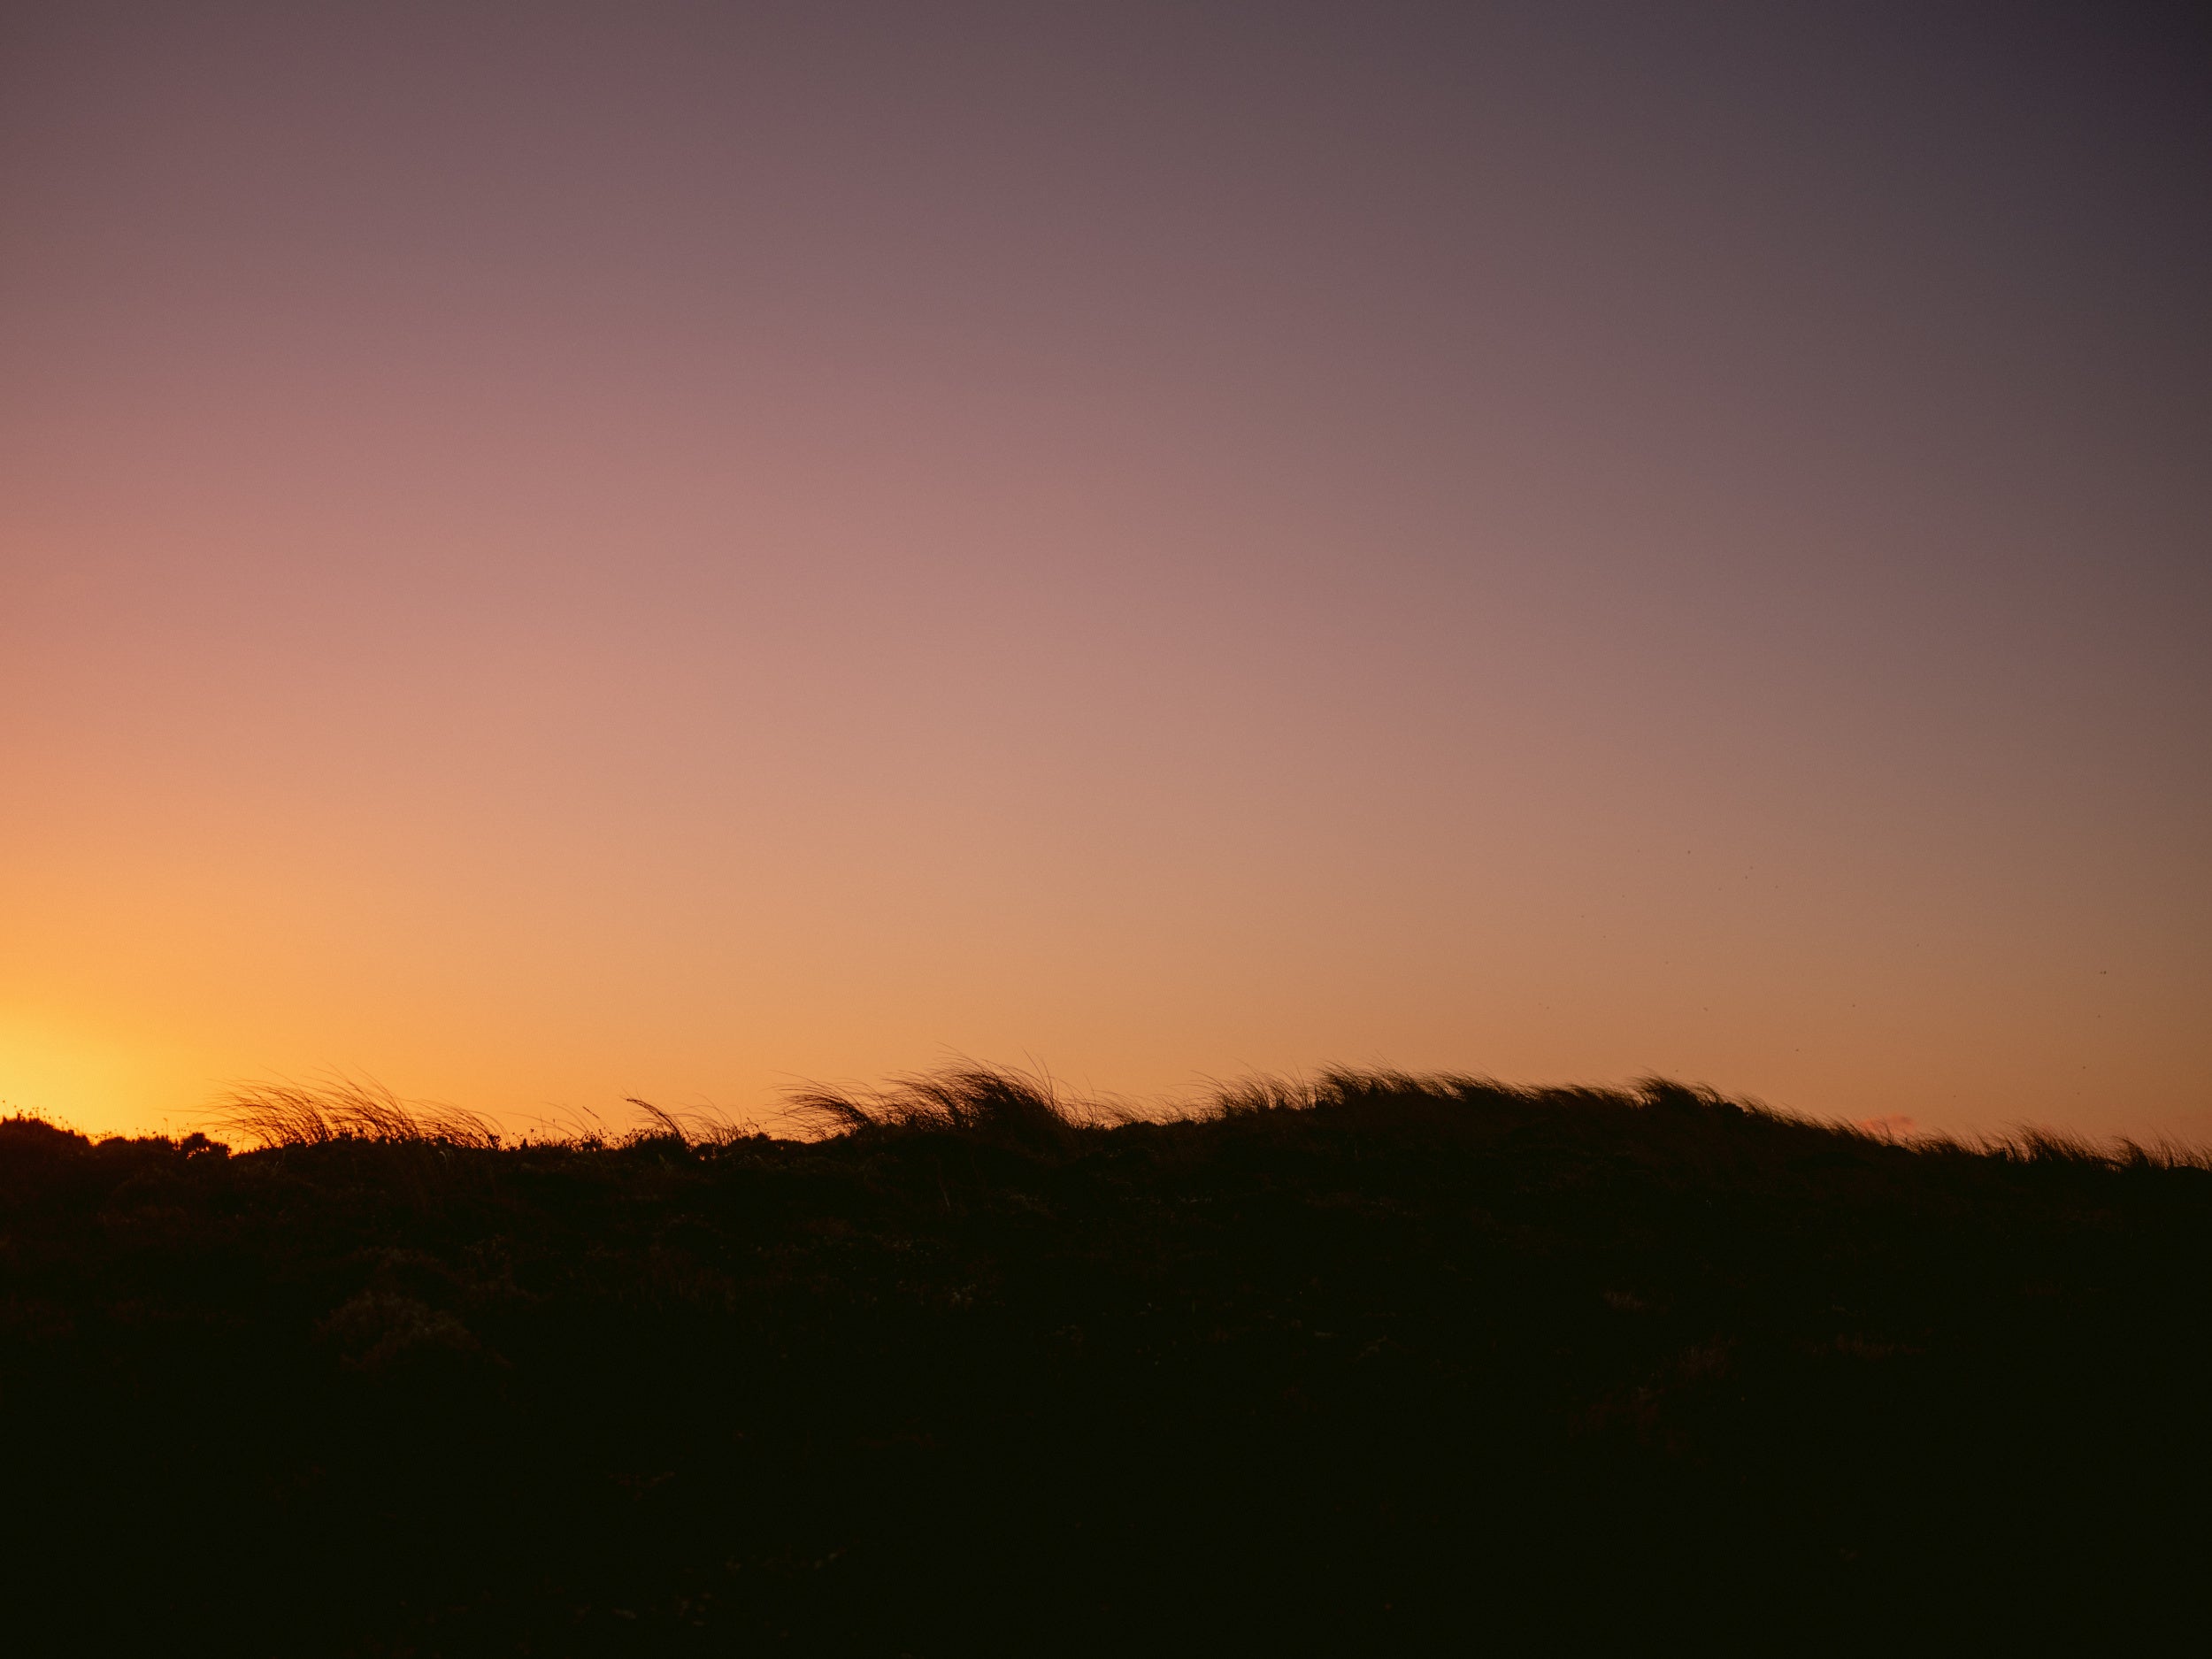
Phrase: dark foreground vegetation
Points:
(1382, 1363)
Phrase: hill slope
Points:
(1383, 1362)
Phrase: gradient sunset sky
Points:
(555, 552)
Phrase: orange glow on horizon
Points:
(675, 554)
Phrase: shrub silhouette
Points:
(1365, 1360)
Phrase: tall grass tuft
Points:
(989, 1103)
(2034, 1143)
(688, 1129)
(1257, 1096)
(341, 1109)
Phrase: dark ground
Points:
(1415, 1364)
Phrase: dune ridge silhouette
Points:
(970, 1364)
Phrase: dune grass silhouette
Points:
(966, 1363)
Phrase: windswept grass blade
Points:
(337, 1108)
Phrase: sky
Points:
(552, 553)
